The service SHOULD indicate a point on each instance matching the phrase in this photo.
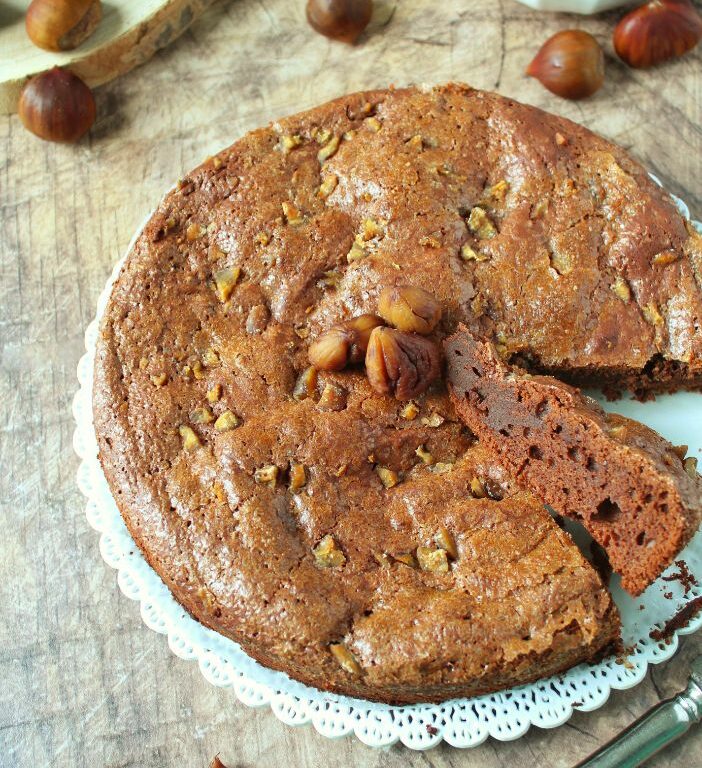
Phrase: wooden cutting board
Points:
(130, 32)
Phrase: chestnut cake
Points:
(364, 545)
(637, 494)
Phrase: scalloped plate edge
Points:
(395, 723)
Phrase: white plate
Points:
(573, 6)
(462, 722)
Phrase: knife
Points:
(653, 731)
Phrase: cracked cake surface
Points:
(341, 536)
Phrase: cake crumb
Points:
(681, 619)
(683, 575)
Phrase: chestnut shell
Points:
(61, 25)
(570, 64)
(657, 31)
(342, 20)
(57, 106)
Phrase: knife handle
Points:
(651, 732)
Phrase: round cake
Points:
(361, 544)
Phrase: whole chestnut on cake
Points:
(410, 309)
(401, 364)
(343, 344)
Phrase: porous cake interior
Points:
(626, 483)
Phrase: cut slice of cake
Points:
(636, 494)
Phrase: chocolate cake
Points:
(330, 529)
(637, 495)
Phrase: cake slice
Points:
(636, 494)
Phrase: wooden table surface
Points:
(83, 681)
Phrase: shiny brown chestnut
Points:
(657, 31)
(342, 20)
(570, 64)
(61, 25)
(57, 106)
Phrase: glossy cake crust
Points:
(293, 525)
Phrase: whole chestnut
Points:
(61, 25)
(339, 19)
(343, 344)
(657, 31)
(401, 364)
(57, 106)
(330, 352)
(570, 64)
(409, 308)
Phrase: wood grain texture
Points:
(129, 34)
(84, 682)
